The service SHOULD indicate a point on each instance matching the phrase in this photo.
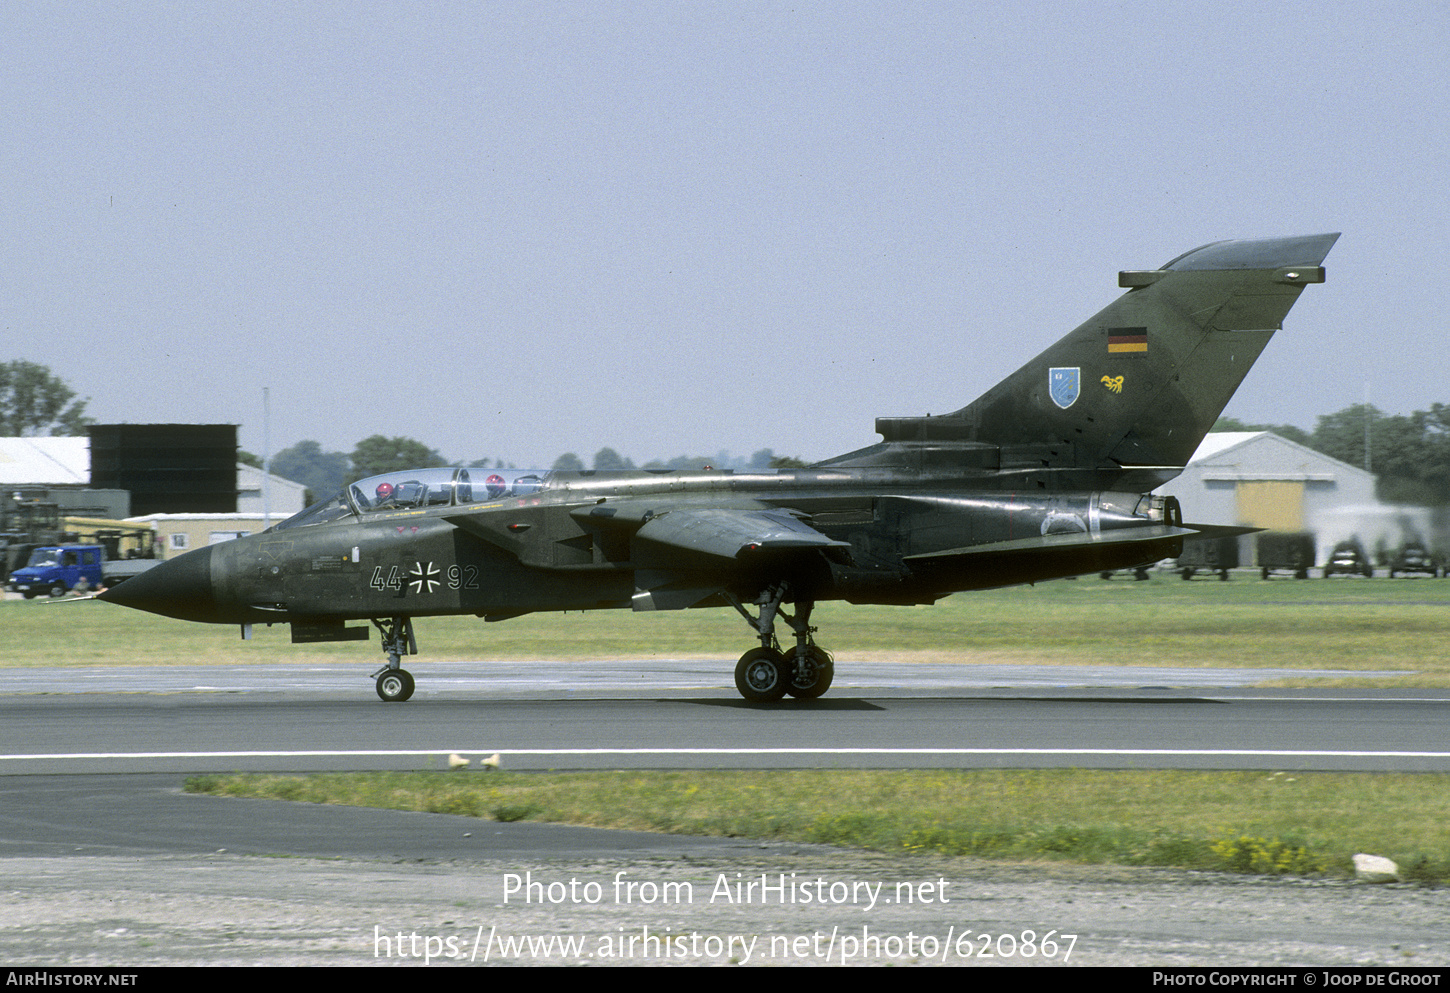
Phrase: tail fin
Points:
(1142, 382)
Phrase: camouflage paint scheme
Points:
(1049, 474)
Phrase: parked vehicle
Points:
(25, 524)
(1348, 559)
(1215, 555)
(55, 570)
(1285, 551)
(1138, 572)
(1414, 557)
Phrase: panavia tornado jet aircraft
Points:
(1049, 474)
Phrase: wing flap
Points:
(729, 534)
(683, 557)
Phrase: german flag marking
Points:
(1127, 341)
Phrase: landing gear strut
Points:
(395, 684)
(765, 674)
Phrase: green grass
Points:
(1263, 823)
(1248, 623)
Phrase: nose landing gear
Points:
(394, 683)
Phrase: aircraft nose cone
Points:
(180, 588)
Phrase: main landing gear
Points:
(763, 675)
(395, 684)
(766, 674)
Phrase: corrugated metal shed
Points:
(1258, 479)
(287, 497)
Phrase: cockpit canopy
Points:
(440, 488)
(421, 489)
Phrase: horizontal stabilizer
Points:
(1031, 560)
(1053, 543)
(1207, 532)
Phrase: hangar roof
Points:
(1247, 455)
(1222, 441)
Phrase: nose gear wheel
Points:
(394, 683)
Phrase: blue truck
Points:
(55, 570)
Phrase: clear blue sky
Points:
(516, 229)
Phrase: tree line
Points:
(327, 472)
(34, 402)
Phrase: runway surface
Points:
(107, 862)
(679, 715)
